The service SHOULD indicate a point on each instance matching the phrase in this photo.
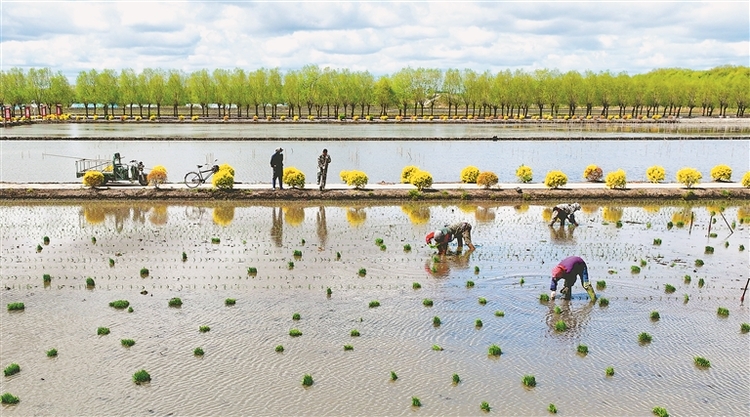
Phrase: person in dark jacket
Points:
(323, 160)
(277, 163)
(569, 269)
(564, 212)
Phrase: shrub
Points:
(615, 179)
(644, 338)
(226, 167)
(407, 172)
(93, 179)
(494, 350)
(12, 369)
(51, 353)
(223, 179)
(358, 179)
(592, 173)
(555, 179)
(655, 174)
(721, 173)
(610, 371)
(127, 342)
(119, 304)
(102, 331)
(746, 180)
(524, 174)
(421, 179)
(198, 351)
(8, 398)
(529, 380)
(469, 174)
(293, 177)
(688, 176)
(487, 179)
(307, 380)
(157, 176)
(141, 377)
(660, 412)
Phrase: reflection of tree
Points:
(714, 209)
(743, 214)
(94, 214)
(223, 215)
(612, 214)
(277, 226)
(322, 227)
(547, 214)
(158, 215)
(562, 234)
(139, 214)
(651, 209)
(575, 320)
(485, 214)
(355, 216)
(521, 208)
(589, 208)
(97, 213)
(445, 263)
(418, 213)
(683, 216)
(294, 215)
(467, 208)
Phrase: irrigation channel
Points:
(242, 373)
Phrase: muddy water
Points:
(241, 374)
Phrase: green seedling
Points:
(485, 406)
(302, 242)
(685, 298)
(175, 302)
(610, 371)
(144, 272)
(354, 333)
(436, 321)
(655, 315)
(558, 310)
(90, 282)
(383, 247)
(415, 402)
(127, 342)
(39, 248)
(701, 283)
(603, 302)
(723, 311)
(708, 250)
(427, 302)
(46, 240)
(290, 265)
(329, 291)
(295, 333)
(560, 326)
(644, 338)
(618, 224)
(657, 242)
(307, 380)
(469, 284)
(198, 351)
(230, 301)
(296, 316)
(521, 282)
(141, 377)
(702, 362)
(686, 279)
(46, 278)
(102, 331)
(378, 241)
(478, 323)
(215, 240)
(416, 285)
(279, 348)
(713, 234)
(583, 349)
(680, 224)
(16, 306)
(745, 327)
(552, 409)
(726, 244)
(348, 347)
(494, 350)
(362, 272)
(660, 412)
(434, 269)
(297, 253)
(643, 263)
(119, 304)
(456, 379)
(12, 369)
(130, 309)
(742, 248)
(529, 380)
(670, 225)
(476, 270)
(252, 271)
(436, 259)
(393, 376)
(93, 239)
(204, 329)
(544, 297)
(437, 347)
(338, 255)
(600, 285)
(184, 256)
(499, 313)
(648, 225)
(669, 289)
(8, 398)
(407, 247)
(482, 300)
(699, 262)
(635, 269)
(51, 353)
(374, 303)
(111, 262)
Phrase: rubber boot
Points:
(590, 290)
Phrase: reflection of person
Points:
(322, 226)
(569, 269)
(562, 234)
(277, 226)
(444, 267)
(564, 212)
(323, 160)
(277, 163)
(460, 231)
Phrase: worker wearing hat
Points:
(277, 163)
(564, 212)
(569, 269)
(460, 231)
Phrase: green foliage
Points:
(329, 291)
(524, 174)
(348, 347)
(644, 338)
(358, 179)
(655, 315)
(603, 302)
(485, 406)
(297, 253)
(102, 331)
(407, 247)
(296, 316)
(702, 362)
(307, 380)
(456, 379)
(127, 342)
(436, 321)
(560, 326)
(635, 269)
(478, 323)
(393, 376)
(93, 179)
(184, 256)
(616, 179)
(745, 327)
(592, 173)
(699, 262)
(407, 172)
(421, 179)
(469, 284)
(600, 285)
(688, 177)
(119, 304)
(46, 278)
(610, 371)
(669, 289)
(469, 174)
(708, 250)
(252, 271)
(175, 302)
(482, 300)
(8, 398)
(51, 353)
(437, 347)
(293, 177)
(723, 311)
(230, 301)
(279, 348)
(655, 174)
(582, 349)
(558, 310)
(204, 329)
(215, 240)
(12, 369)
(295, 333)
(354, 333)
(529, 380)
(544, 297)
(552, 409)
(198, 351)
(660, 412)
(224, 178)
(499, 313)
(721, 173)
(555, 179)
(487, 179)
(415, 402)
(362, 272)
(427, 302)
(657, 242)
(494, 350)
(144, 272)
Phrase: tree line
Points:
(326, 92)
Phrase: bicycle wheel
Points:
(192, 179)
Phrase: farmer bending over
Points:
(564, 212)
(460, 231)
(569, 269)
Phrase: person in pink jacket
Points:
(569, 269)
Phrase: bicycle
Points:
(196, 178)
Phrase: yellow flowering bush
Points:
(688, 176)
(194, 118)
(615, 179)
(93, 179)
(223, 180)
(421, 179)
(152, 117)
(487, 179)
(721, 173)
(358, 179)
(592, 173)
(227, 167)
(469, 174)
(157, 176)
(524, 174)
(555, 179)
(655, 174)
(746, 180)
(407, 172)
(181, 118)
(293, 177)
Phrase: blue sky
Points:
(381, 37)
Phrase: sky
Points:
(379, 36)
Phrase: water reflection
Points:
(158, 216)
(97, 214)
(356, 216)
(575, 316)
(521, 208)
(484, 214)
(589, 208)
(417, 213)
(223, 215)
(294, 215)
(612, 214)
(562, 234)
(277, 226)
(682, 217)
(321, 226)
(440, 266)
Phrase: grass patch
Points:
(407, 247)
(544, 297)
(414, 400)
(416, 285)
(362, 272)
(119, 304)
(12, 369)
(669, 289)
(127, 342)
(655, 315)
(657, 242)
(499, 313)
(485, 406)
(102, 331)
(745, 327)
(354, 333)
(198, 352)
(437, 347)
(252, 271)
(583, 349)
(295, 333)
(8, 398)
(230, 301)
(436, 321)
(560, 326)
(558, 310)
(600, 285)
(348, 347)
(478, 323)
(279, 348)
(482, 300)
(644, 338)
(701, 362)
(307, 380)
(610, 371)
(175, 302)
(469, 284)
(723, 311)
(660, 412)
(51, 353)
(427, 302)
(141, 377)
(215, 240)
(144, 272)
(204, 329)
(456, 379)
(16, 306)
(603, 302)
(494, 350)
(635, 269)
(90, 282)
(699, 262)
(393, 376)
(529, 381)
(374, 303)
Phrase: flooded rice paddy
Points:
(241, 373)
